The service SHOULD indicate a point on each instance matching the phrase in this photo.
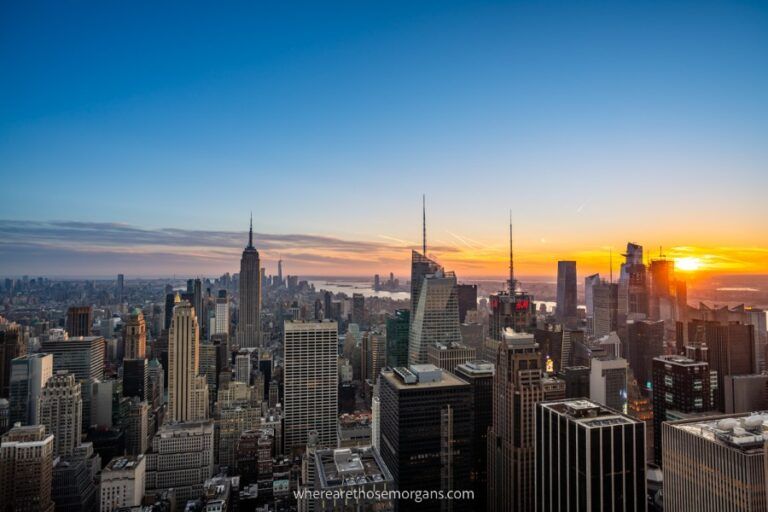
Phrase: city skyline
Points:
(636, 123)
(105, 249)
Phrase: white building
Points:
(123, 482)
(61, 411)
(29, 374)
(608, 382)
(181, 458)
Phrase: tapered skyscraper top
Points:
(250, 234)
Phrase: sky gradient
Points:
(137, 138)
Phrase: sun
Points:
(688, 264)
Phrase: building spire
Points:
(424, 223)
(250, 234)
(512, 284)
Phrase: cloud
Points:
(81, 248)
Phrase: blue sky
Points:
(597, 123)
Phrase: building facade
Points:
(588, 457)
(311, 376)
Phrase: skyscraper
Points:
(682, 385)
(120, 289)
(249, 316)
(61, 411)
(436, 317)
(84, 358)
(135, 335)
(715, 464)
(467, 294)
(479, 375)
(26, 470)
(311, 375)
(426, 430)
(182, 459)
(565, 311)
(79, 320)
(517, 388)
(511, 308)
(645, 340)
(589, 457)
(136, 378)
(222, 313)
(633, 290)
(187, 390)
(397, 338)
(12, 345)
(29, 374)
(730, 348)
(605, 296)
(608, 382)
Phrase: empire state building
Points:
(249, 323)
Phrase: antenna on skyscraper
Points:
(511, 259)
(424, 223)
(250, 233)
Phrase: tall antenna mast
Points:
(424, 223)
(511, 259)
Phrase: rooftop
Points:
(588, 413)
(745, 432)
(348, 467)
(477, 367)
(127, 462)
(679, 360)
(421, 376)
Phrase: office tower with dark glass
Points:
(397, 338)
(426, 432)
(731, 350)
(645, 340)
(311, 377)
(136, 378)
(467, 294)
(588, 457)
(565, 312)
(479, 375)
(249, 315)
